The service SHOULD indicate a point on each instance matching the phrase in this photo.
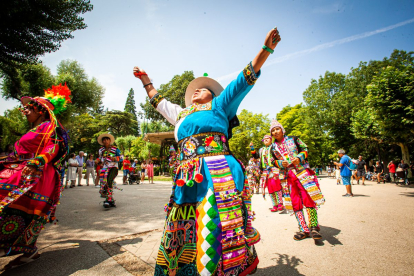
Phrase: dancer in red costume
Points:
(300, 185)
(30, 185)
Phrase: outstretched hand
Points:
(272, 38)
(138, 72)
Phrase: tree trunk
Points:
(405, 155)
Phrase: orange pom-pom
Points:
(180, 182)
(198, 178)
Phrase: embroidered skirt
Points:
(213, 236)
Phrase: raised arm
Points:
(235, 92)
(167, 109)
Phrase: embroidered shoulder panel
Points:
(249, 74)
(193, 108)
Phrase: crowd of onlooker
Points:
(397, 172)
(83, 166)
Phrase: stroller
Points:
(400, 174)
(134, 177)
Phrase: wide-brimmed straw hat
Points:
(202, 82)
(107, 135)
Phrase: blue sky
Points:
(167, 38)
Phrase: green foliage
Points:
(30, 80)
(144, 150)
(87, 93)
(156, 126)
(125, 143)
(119, 123)
(174, 91)
(131, 108)
(32, 28)
(391, 97)
(295, 122)
(366, 110)
(252, 129)
(84, 132)
(12, 126)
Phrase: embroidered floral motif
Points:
(189, 147)
(193, 108)
(203, 144)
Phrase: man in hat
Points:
(300, 185)
(109, 155)
(346, 172)
(210, 183)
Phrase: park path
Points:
(368, 234)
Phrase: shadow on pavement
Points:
(409, 194)
(359, 195)
(328, 234)
(401, 185)
(285, 265)
(74, 255)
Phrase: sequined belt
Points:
(202, 145)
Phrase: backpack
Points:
(353, 164)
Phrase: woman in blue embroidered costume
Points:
(30, 185)
(208, 225)
(109, 156)
(300, 185)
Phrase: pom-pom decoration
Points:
(190, 183)
(198, 178)
(180, 182)
(59, 96)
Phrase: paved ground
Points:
(369, 234)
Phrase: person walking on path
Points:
(300, 184)
(72, 167)
(30, 187)
(126, 164)
(90, 169)
(150, 172)
(109, 155)
(391, 169)
(210, 186)
(143, 168)
(79, 158)
(361, 170)
(346, 172)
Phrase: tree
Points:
(12, 126)
(390, 97)
(32, 28)
(32, 79)
(173, 91)
(252, 129)
(83, 133)
(87, 93)
(131, 108)
(119, 123)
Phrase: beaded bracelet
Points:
(267, 49)
(147, 84)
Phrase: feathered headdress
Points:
(59, 97)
